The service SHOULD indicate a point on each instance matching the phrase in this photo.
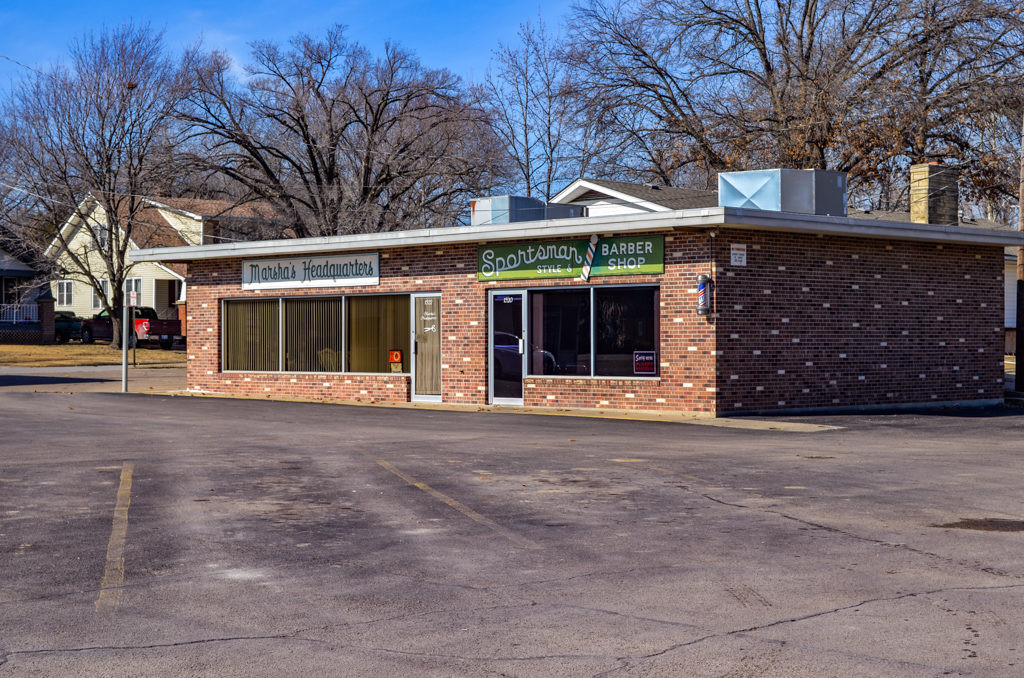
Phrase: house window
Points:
(316, 334)
(599, 331)
(101, 234)
(133, 285)
(65, 292)
(97, 302)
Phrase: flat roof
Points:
(708, 217)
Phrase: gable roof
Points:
(10, 265)
(215, 209)
(641, 196)
(149, 227)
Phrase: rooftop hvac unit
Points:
(785, 190)
(507, 209)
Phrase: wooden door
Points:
(428, 346)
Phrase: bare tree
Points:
(956, 70)
(89, 137)
(865, 86)
(341, 142)
(726, 83)
(537, 112)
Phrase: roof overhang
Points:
(11, 267)
(705, 218)
(581, 187)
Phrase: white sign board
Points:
(738, 255)
(133, 298)
(343, 270)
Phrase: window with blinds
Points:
(375, 326)
(313, 334)
(316, 334)
(252, 335)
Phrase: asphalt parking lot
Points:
(182, 536)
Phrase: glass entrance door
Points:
(426, 381)
(508, 341)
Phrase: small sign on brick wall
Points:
(738, 255)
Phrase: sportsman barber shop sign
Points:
(633, 255)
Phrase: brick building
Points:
(803, 310)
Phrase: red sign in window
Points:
(394, 357)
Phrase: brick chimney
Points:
(934, 194)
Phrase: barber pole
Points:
(589, 261)
(703, 301)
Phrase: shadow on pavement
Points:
(40, 380)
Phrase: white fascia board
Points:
(707, 217)
(581, 186)
(175, 210)
(564, 195)
(176, 275)
(68, 224)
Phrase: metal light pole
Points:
(124, 346)
(1019, 348)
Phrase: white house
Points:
(163, 222)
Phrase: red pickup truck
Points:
(148, 327)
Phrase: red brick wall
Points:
(800, 299)
(829, 322)
(687, 372)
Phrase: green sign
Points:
(632, 255)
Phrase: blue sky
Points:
(448, 33)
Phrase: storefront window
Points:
(625, 322)
(377, 325)
(627, 331)
(313, 335)
(251, 335)
(320, 334)
(560, 332)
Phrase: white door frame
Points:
(524, 342)
(412, 343)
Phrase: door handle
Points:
(522, 346)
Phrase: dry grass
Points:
(68, 355)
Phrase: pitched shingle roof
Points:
(150, 229)
(668, 197)
(212, 209)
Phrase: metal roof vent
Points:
(508, 209)
(785, 190)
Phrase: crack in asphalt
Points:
(624, 661)
(851, 535)
(7, 654)
(835, 530)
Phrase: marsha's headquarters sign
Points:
(333, 271)
(633, 255)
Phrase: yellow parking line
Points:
(113, 574)
(460, 507)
